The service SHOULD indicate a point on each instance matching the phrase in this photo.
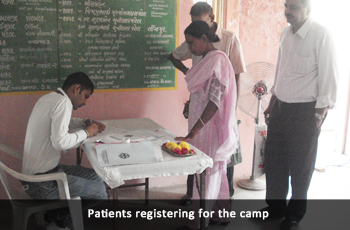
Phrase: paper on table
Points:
(136, 135)
(128, 153)
(105, 135)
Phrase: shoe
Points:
(53, 226)
(185, 201)
(288, 224)
(273, 213)
(213, 222)
(41, 219)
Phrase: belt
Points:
(292, 104)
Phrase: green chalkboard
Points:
(120, 44)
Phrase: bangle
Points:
(202, 121)
(319, 116)
(87, 133)
(192, 131)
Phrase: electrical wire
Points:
(338, 165)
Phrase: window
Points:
(335, 16)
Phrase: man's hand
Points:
(101, 126)
(92, 129)
(318, 122)
(267, 112)
(320, 115)
(178, 64)
(186, 109)
(269, 108)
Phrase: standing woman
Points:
(212, 118)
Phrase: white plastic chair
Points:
(23, 206)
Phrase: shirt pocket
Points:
(303, 64)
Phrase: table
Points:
(114, 176)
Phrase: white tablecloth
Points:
(114, 176)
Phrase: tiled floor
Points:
(331, 186)
(332, 183)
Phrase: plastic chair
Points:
(23, 206)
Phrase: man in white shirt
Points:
(305, 88)
(48, 134)
(227, 42)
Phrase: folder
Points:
(128, 153)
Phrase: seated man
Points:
(48, 134)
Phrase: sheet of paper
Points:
(105, 136)
(136, 135)
(128, 153)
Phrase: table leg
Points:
(202, 198)
(115, 208)
(115, 198)
(146, 190)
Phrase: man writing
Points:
(48, 134)
(304, 89)
(229, 43)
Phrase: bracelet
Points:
(319, 116)
(192, 131)
(202, 121)
(87, 133)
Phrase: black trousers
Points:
(290, 151)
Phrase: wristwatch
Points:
(319, 116)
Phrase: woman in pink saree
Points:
(212, 118)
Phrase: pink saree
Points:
(213, 79)
(215, 65)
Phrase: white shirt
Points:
(47, 133)
(306, 66)
(229, 44)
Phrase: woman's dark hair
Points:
(197, 28)
(78, 78)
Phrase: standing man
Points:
(48, 135)
(305, 88)
(229, 43)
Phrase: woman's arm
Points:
(207, 114)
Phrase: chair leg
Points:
(20, 219)
(76, 213)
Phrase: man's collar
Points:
(60, 91)
(304, 29)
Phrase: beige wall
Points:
(259, 26)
